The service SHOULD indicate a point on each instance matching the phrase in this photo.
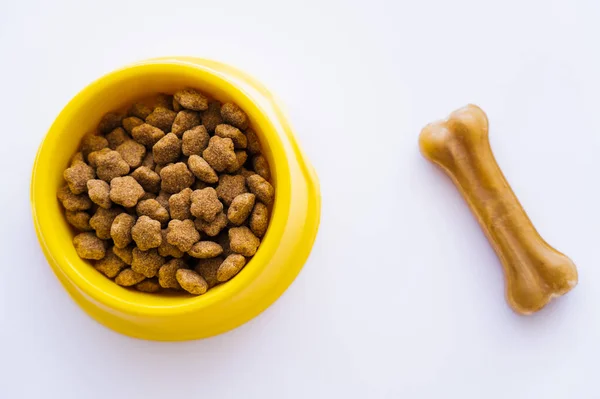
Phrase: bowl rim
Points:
(280, 210)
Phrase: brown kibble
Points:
(146, 262)
(202, 170)
(99, 192)
(261, 166)
(109, 122)
(146, 233)
(147, 134)
(213, 228)
(245, 172)
(230, 186)
(191, 99)
(102, 221)
(163, 100)
(125, 191)
(253, 143)
(208, 268)
(185, 120)
(182, 234)
(263, 190)
(166, 249)
(194, 141)
(243, 241)
(148, 285)
(176, 177)
(77, 177)
(94, 155)
(111, 165)
(132, 152)
(220, 153)
(73, 202)
(153, 209)
(241, 157)
(212, 116)
(149, 161)
(128, 277)
(166, 274)
(167, 149)
(233, 115)
(228, 131)
(163, 199)
(158, 168)
(140, 110)
(120, 229)
(147, 178)
(125, 254)
(205, 250)
(148, 196)
(77, 158)
(130, 122)
(179, 205)
(162, 118)
(117, 137)
(199, 185)
(91, 143)
(230, 267)
(88, 246)
(110, 265)
(176, 106)
(240, 208)
(223, 240)
(206, 204)
(191, 281)
(259, 219)
(79, 219)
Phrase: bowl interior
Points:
(113, 92)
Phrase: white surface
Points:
(402, 295)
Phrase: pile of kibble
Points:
(173, 194)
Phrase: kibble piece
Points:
(240, 208)
(147, 178)
(125, 254)
(212, 116)
(110, 265)
(163, 199)
(146, 233)
(194, 141)
(228, 131)
(245, 172)
(77, 177)
(111, 165)
(208, 268)
(99, 192)
(263, 190)
(166, 249)
(241, 157)
(163, 100)
(147, 134)
(253, 143)
(131, 122)
(205, 250)
(128, 277)
(176, 177)
(73, 202)
(77, 158)
(132, 152)
(243, 241)
(140, 110)
(206, 204)
(102, 221)
(199, 185)
(162, 118)
(230, 267)
(94, 155)
(213, 228)
(153, 209)
(79, 219)
(220, 153)
(149, 285)
(191, 99)
(176, 106)
(167, 149)
(110, 122)
(125, 191)
(202, 170)
(182, 234)
(91, 143)
(149, 161)
(148, 196)
(166, 274)
(233, 115)
(179, 205)
(146, 262)
(191, 281)
(230, 186)
(261, 166)
(117, 137)
(259, 219)
(185, 120)
(120, 230)
(89, 246)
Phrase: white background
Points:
(402, 295)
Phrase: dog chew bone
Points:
(535, 272)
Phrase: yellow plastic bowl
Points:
(285, 247)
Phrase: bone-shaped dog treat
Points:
(535, 272)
